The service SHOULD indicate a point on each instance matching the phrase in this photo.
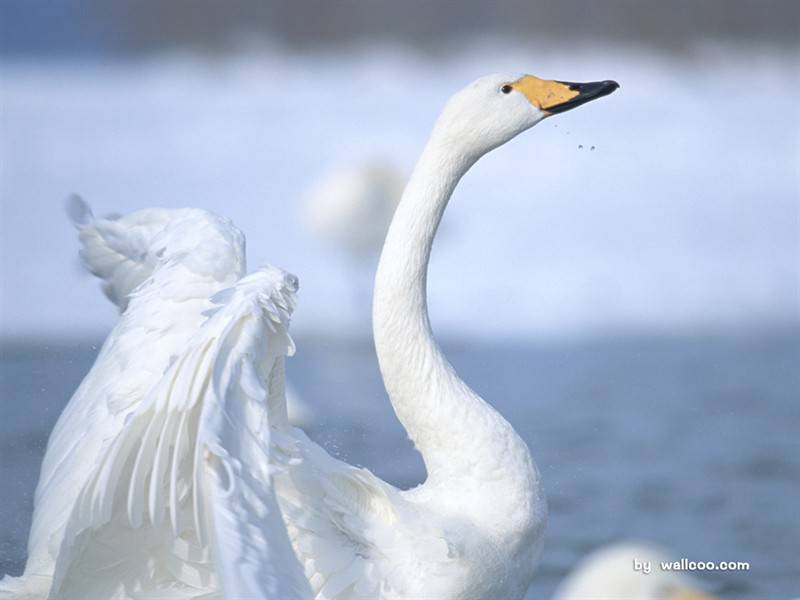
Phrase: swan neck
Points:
(448, 423)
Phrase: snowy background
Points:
(686, 214)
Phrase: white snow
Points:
(686, 214)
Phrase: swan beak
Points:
(553, 97)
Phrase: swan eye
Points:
(506, 89)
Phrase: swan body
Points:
(174, 471)
(608, 574)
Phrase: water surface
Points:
(690, 442)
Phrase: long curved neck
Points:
(454, 429)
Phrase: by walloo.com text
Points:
(684, 564)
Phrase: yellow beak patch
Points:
(544, 93)
(558, 96)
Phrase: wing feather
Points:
(115, 250)
(124, 252)
(161, 266)
(183, 500)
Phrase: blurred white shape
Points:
(628, 570)
(352, 207)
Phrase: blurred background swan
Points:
(608, 573)
(350, 208)
(667, 311)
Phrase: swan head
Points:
(494, 109)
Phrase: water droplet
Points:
(580, 146)
(592, 148)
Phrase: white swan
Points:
(353, 206)
(609, 574)
(173, 472)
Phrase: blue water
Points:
(690, 442)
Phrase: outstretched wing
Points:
(197, 255)
(125, 251)
(182, 504)
(117, 250)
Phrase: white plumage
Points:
(174, 473)
(175, 502)
(119, 250)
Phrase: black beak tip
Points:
(586, 93)
(600, 89)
